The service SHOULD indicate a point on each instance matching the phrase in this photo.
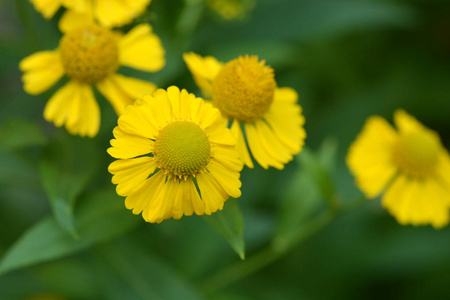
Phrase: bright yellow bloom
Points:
(182, 143)
(89, 55)
(410, 167)
(246, 93)
(108, 13)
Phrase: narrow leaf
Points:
(101, 217)
(230, 225)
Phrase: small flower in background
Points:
(410, 167)
(245, 91)
(231, 9)
(108, 13)
(90, 54)
(182, 143)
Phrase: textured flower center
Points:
(182, 149)
(244, 89)
(89, 53)
(417, 153)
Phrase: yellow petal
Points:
(139, 200)
(212, 194)
(139, 120)
(130, 173)
(127, 145)
(141, 49)
(46, 7)
(113, 13)
(241, 146)
(75, 106)
(258, 151)
(286, 119)
(72, 19)
(370, 156)
(193, 201)
(406, 123)
(204, 70)
(228, 156)
(418, 202)
(161, 205)
(121, 91)
(271, 143)
(228, 179)
(81, 6)
(41, 71)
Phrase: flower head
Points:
(246, 93)
(108, 13)
(91, 55)
(175, 157)
(409, 166)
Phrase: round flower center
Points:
(244, 89)
(182, 149)
(417, 153)
(89, 53)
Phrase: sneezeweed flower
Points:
(91, 55)
(409, 166)
(231, 9)
(108, 13)
(245, 92)
(175, 157)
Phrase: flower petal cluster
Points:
(175, 157)
(246, 93)
(408, 166)
(90, 55)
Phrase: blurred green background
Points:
(347, 59)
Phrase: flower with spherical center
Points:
(244, 89)
(89, 54)
(161, 143)
(264, 119)
(182, 149)
(409, 167)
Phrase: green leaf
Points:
(18, 133)
(101, 217)
(66, 168)
(230, 225)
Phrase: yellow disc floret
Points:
(244, 89)
(182, 149)
(417, 153)
(89, 53)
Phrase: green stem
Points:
(273, 251)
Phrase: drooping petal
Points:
(75, 106)
(121, 91)
(417, 202)
(272, 145)
(113, 13)
(204, 70)
(140, 199)
(286, 119)
(130, 173)
(160, 207)
(192, 199)
(370, 156)
(241, 146)
(227, 157)
(127, 145)
(212, 194)
(141, 49)
(72, 19)
(47, 8)
(228, 179)
(258, 151)
(41, 71)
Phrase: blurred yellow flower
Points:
(182, 143)
(245, 91)
(90, 54)
(109, 13)
(231, 9)
(409, 166)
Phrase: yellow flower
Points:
(182, 143)
(410, 167)
(245, 92)
(89, 55)
(108, 13)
